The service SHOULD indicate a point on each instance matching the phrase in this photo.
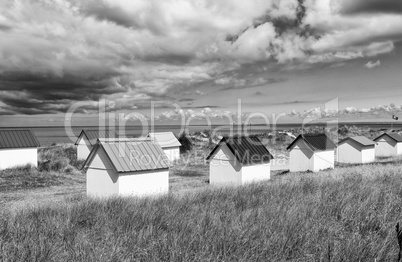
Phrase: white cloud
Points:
(253, 44)
(145, 48)
(372, 64)
(317, 113)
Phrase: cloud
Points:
(385, 111)
(57, 52)
(372, 64)
(200, 93)
(235, 83)
(371, 6)
(186, 100)
(206, 112)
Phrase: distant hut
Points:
(87, 139)
(311, 152)
(18, 148)
(356, 150)
(126, 167)
(239, 160)
(388, 144)
(169, 144)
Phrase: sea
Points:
(48, 135)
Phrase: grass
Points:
(61, 157)
(346, 214)
(57, 175)
(28, 177)
(57, 165)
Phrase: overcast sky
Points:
(274, 55)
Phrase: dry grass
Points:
(346, 214)
(56, 175)
(57, 165)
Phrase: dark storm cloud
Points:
(28, 93)
(20, 102)
(59, 88)
(371, 6)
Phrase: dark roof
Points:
(364, 141)
(395, 136)
(17, 139)
(246, 149)
(93, 134)
(131, 156)
(316, 142)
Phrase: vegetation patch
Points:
(348, 214)
(57, 165)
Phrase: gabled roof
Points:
(17, 139)
(316, 142)
(93, 134)
(165, 139)
(131, 156)
(362, 140)
(395, 136)
(246, 149)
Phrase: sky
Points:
(195, 58)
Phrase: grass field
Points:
(346, 214)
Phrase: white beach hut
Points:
(356, 150)
(168, 142)
(18, 148)
(127, 168)
(388, 144)
(239, 160)
(87, 139)
(311, 152)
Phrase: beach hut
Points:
(311, 152)
(356, 150)
(169, 144)
(87, 139)
(239, 160)
(126, 167)
(18, 148)
(388, 144)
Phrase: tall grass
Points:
(62, 157)
(348, 214)
(57, 165)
